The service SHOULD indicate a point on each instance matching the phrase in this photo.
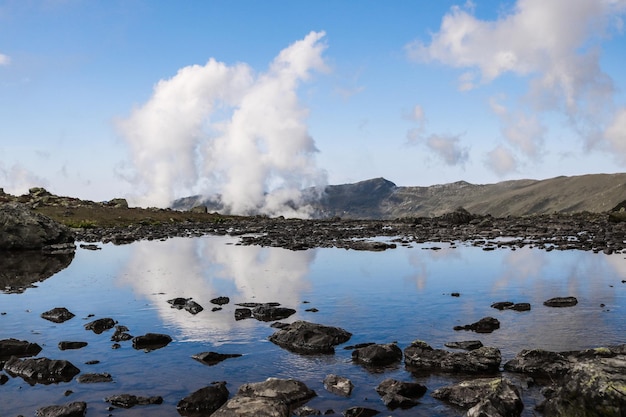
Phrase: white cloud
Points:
(448, 148)
(18, 180)
(220, 128)
(524, 131)
(501, 161)
(616, 133)
(417, 114)
(4, 60)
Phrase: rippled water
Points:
(397, 295)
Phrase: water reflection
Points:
(205, 268)
(22, 269)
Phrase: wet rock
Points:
(193, 307)
(494, 397)
(220, 301)
(129, 400)
(188, 304)
(561, 302)
(151, 341)
(538, 363)
(310, 338)
(89, 246)
(18, 348)
(420, 357)
(94, 378)
(465, 345)
(399, 394)
(24, 229)
(100, 325)
(370, 246)
(305, 410)
(121, 334)
(20, 270)
(241, 406)
(74, 409)
(178, 302)
(360, 412)
(65, 345)
(41, 370)
(338, 385)
(520, 307)
(57, 315)
(213, 358)
(242, 313)
(3, 379)
(484, 325)
(378, 355)
(271, 313)
(502, 305)
(205, 400)
(289, 391)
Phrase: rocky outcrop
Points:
(151, 341)
(57, 315)
(213, 358)
(493, 397)
(269, 312)
(377, 354)
(561, 302)
(41, 370)
(338, 385)
(130, 400)
(23, 229)
(399, 394)
(204, 401)
(100, 325)
(509, 305)
(420, 357)
(18, 348)
(240, 406)
(94, 378)
(310, 338)
(484, 325)
(74, 409)
(465, 345)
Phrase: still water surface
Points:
(397, 295)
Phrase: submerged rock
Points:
(41, 370)
(18, 348)
(94, 378)
(271, 313)
(493, 397)
(65, 345)
(205, 400)
(220, 301)
(484, 325)
(305, 337)
(241, 406)
(74, 409)
(338, 385)
(399, 394)
(465, 345)
(213, 358)
(100, 325)
(561, 302)
(420, 357)
(57, 315)
(377, 355)
(129, 400)
(151, 341)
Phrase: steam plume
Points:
(224, 129)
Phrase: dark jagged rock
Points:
(100, 325)
(41, 370)
(378, 355)
(73, 409)
(193, 307)
(539, 363)
(421, 357)
(24, 229)
(220, 301)
(399, 394)
(20, 270)
(57, 315)
(65, 345)
(289, 391)
(493, 397)
(502, 305)
(242, 313)
(151, 341)
(305, 337)
(213, 358)
(205, 400)
(465, 345)
(338, 385)
(178, 302)
(271, 313)
(121, 334)
(94, 378)
(360, 412)
(241, 406)
(520, 307)
(129, 400)
(18, 348)
(305, 410)
(484, 325)
(3, 379)
(561, 302)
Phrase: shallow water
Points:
(397, 295)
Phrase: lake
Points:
(400, 294)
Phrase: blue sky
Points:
(154, 100)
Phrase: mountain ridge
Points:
(379, 198)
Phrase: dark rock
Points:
(94, 378)
(57, 315)
(241, 406)
(465, 345)
(193, 307)
(378, 355)
(178, 302)
(151, 341)
(23, 229)
(220, 301)
(213, 358)
(289, 391)
(74, 409)
(359, 345)
(494, 397)
(271, 313)
(312, 310)
(65, 345)
(121, 334)
(242, 313)
(398, 394)
(502, 305)
(3, 379)
(19, 348)
(360, 412)
(484, 325)
(371, 246)
(41, 370)
(338, 385)
(455, 294)
(561, 302)
(129, 401)
(305, 410)
(420, 357)
(305, 337)
(100, 325)
(539, 363)
(20, 270)
(89, 246)
(205, 400)
(520, 307)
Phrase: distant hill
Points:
(381, 199)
